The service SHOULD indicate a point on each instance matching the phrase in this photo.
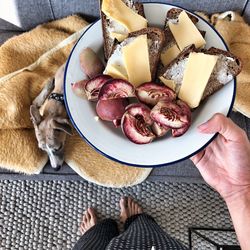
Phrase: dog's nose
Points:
(56, 161)
(58, 167)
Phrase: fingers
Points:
(203, 164)
(198, 157)
(223, 125)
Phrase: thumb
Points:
(224, 126)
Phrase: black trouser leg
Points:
(98, 236)
(142, 232)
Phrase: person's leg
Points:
(141, 231)
(95, 235)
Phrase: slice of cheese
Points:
(119, 36)
(196, 75)
(186, 33)
(120, 12)
(169, 83)
(116, 71)
(169, 55)
(136, 60)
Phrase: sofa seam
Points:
(51, 9)
(244, 8)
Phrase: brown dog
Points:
(49, 117)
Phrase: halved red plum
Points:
(117, 122)
(93, 86)
(180, 131)
(136, 124)
(169, 114)
(185, 108)
(159, 130)
(116, 88)
(111, 110)
(90, 63)
(79, 88)
(151, 93)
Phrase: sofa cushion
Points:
(209, 6)
(88, 8)
(7, 26)
(4, 35)
(25, 14)
(29, 13)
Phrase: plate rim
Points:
(140, 165)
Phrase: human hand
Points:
(225, 162)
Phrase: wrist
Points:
(239, 207)
(238, 198)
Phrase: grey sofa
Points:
(17, 16)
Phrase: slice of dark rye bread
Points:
(173, 15)
(109, 42)
(227, 67)
(156, 38)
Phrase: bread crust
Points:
(157, 36)
(216, 51)
(110, 43)
(173, 14)
(185, 53)
(234, 67)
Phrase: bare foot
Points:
(89, 220)
(128, 208)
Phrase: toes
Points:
(89, 219)
(87, 215)
(84, 219)
(83, 225)
(135, 207)
(139, 210)
(132, 211)
(92, 214)
(82, 229)
(132, 207)
(124, 209)
(123, 203)
(130, 203)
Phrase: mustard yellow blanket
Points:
(236, 33)
(27, 62)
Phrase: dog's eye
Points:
(58, 149)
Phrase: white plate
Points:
(110, 141)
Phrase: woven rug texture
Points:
(46, 214)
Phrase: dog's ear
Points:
(62, 124)
(35, 115)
